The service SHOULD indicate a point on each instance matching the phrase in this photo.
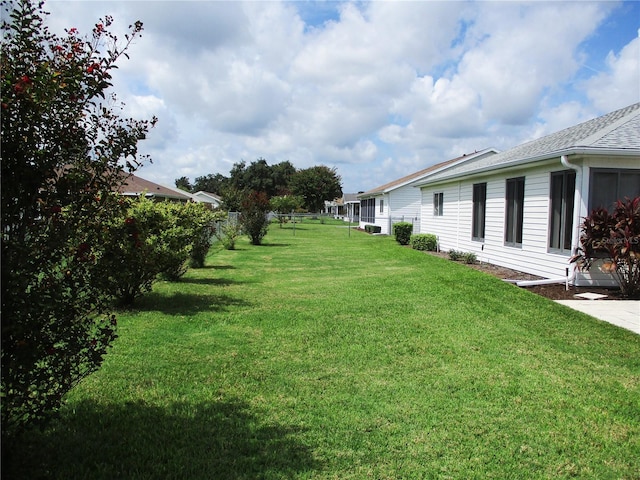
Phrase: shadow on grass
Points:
(184, 304)
(183, 440)
(216, 267)
(275, 245)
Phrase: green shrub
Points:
(203, 224)
(424, 241)
(64, 151)
(176, 237)
(616, 238)
(228, 231)
(253, 216)
(402, 232)
(135, 254)
(372, 228)
(455, 255)
(469, 258)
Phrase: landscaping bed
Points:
(556, 291)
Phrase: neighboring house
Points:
(352, 205)
(346, 208)
(399, 201)
(135, 186)
(209, 198)
(523, 207)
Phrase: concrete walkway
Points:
(623, 313)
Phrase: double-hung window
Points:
(514, 212)
(438, 200)
(479, 211)
(563, 185)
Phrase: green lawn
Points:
(333, 354)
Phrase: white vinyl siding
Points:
(404, 206)
(453, 229)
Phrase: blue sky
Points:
(377, 90)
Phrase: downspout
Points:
(575, 237)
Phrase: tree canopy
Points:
(314, 185)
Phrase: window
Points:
(381, 205)
(563, 185)
(607, 186)
(479, 209)
(437, 204)
(514, 212)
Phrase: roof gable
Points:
(421, 174)
(134, 186)
(211, 197)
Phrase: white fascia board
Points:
(524, 161)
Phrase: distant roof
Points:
(351, 198)
(134, 186)
(211, 196)
(617, 132)
(425, 172)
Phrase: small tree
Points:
(253, 216)
(614, 238)
(285, 204)
(64, 150)
(227, 230)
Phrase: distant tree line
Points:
(312, 186)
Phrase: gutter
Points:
(575, 239)
(577, 203)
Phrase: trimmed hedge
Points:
(372, 228)
(402, 232)
(424, 241)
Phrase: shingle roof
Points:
(425, 172)
(618, 130)
(135, 185)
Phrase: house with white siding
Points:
(399, 201)
(522, 208)
(211, 199)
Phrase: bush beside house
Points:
(402, 231)
(424, 241)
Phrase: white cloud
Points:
(380, 90)
(620, 85)
(522, 50)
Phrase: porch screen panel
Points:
(607, 186)
(368, 210)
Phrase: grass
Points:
(333, 354)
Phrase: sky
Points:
(376, 90)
